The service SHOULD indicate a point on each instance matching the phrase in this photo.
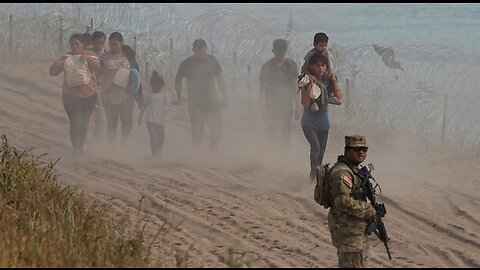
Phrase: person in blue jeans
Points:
(315, 122)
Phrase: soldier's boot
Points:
(351, 260)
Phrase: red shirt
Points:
(83, 91)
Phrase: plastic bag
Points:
(315, 92)
(77, 72)
(121, 77)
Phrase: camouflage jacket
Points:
(349, 211)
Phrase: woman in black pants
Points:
(79, 88)
(315, 121)
(118, 101)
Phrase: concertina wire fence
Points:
(434, 94)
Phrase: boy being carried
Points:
(320, 44)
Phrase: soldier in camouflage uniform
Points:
(349, 211)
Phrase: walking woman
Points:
(79, 88)
(315, 122)
(118, 100)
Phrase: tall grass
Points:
(44, 224)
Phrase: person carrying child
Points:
(320, 45)
(314, 97)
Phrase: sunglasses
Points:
(358, 149)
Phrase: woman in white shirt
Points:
(118, 101)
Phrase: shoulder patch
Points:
(347, 181)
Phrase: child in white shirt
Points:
(154, 104)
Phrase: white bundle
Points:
(315, 92)
(77, 72)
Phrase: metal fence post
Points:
(135, 43)
(234, 72)
(347, 98)
(171, 70)
(10, 33)
(60, 40)
(249, 92)
(146, 71)
(444, 117)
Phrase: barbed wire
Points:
(435, 93)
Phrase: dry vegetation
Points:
(47, 225)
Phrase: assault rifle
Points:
(376, 226)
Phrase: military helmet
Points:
(355, 141)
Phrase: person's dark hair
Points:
(87, 38)
(129, 53)
(320, 37)
(116, 36)
(318, 58)
(98, 35)
(78, 37)
(280, 45)
(156, 81)
(199, 44)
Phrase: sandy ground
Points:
(250, 196)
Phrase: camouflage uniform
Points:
(349, 211)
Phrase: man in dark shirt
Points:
(204, 105)
(278, 93)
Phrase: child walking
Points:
(154, 104)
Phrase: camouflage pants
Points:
(351, 242)
(352, 259)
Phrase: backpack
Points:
(321, 193)
(77, 73)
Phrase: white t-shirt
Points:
(156, 105)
